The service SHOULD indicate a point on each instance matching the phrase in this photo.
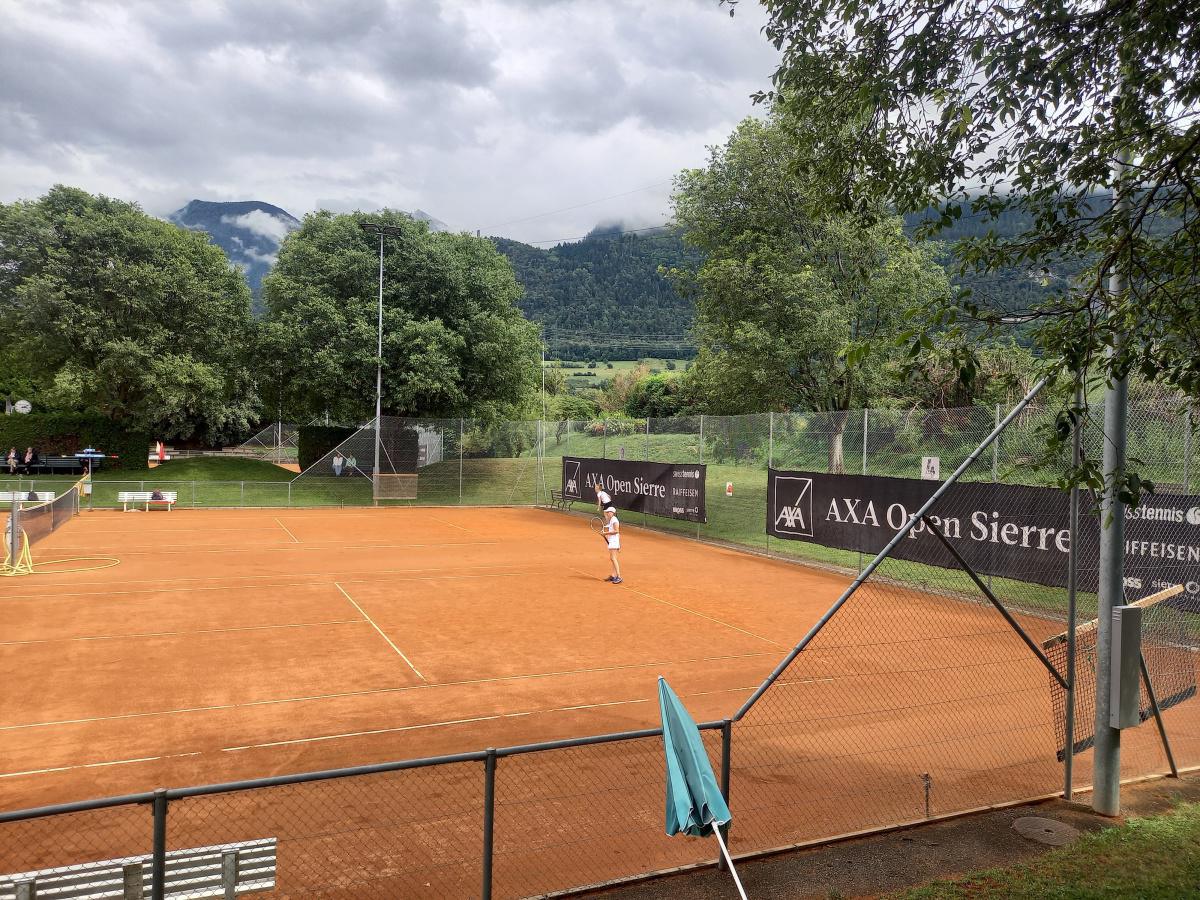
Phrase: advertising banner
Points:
(1005, 530)
(673, 490)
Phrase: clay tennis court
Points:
(234, 644)
(242, 643)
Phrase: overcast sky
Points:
(481, 112)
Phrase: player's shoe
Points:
(615, 580)
(609, 578)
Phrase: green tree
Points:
(1000, 111)
(794, 309)
(454, 342)
(104, 308)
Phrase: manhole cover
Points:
(1045, 831)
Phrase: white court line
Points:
(288, 530)
(342, 546)
(347, 577)
(451, 524)
(291, 742)
(145, 634)
(378, 691)
(363, 613)
(98, 765)
(694, 613)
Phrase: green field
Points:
(602, 373)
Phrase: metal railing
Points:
(167, 810)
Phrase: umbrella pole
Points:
(732, 871)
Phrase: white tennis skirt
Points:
(614, 542)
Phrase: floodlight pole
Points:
(382, 231)
(379, 375)
(1106, 791)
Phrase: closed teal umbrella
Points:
(694, 802)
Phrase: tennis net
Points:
(40, 520)
(1169, 646)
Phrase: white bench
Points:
(145, 498)
(225, 870)
(23, 496)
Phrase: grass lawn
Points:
(1155, 857)
(577, 378)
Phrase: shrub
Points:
(65, 434)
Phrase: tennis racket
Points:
(597, 523)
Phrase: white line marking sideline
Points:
(363, 613)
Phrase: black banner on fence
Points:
(673, 490)
(1006, 530)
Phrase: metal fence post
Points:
(1187, 450)
(996, 450)
(702, 463)
(726, 754)
(289, 484)
(242, 493)
(770, 460)
(866, 412)
(646, 457)
(489, 819)
(996, 473)
(158, 865)
(1072, 589)
(460, 460)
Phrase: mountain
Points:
(249, 232)
(603, 297)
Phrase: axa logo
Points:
(571, 470)
(794, 514)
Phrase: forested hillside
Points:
(603, 297)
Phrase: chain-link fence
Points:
(936, 683)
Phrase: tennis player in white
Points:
(612, 534)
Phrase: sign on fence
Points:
(1006, 530)
(672, 490)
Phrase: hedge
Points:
(65, 434)
(317, 440)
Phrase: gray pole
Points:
(1187, 450)
(770, 463)
(702, 463)
(866, 412)
(1072, 587)
(14, 532)
(379, 375)
(1106, 793)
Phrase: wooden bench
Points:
(169, 499)
(23, 496)
(559, 501)
(225, 870)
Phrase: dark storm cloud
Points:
(469, 109)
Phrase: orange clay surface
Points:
(231, 644)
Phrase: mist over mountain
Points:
(249, 231)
